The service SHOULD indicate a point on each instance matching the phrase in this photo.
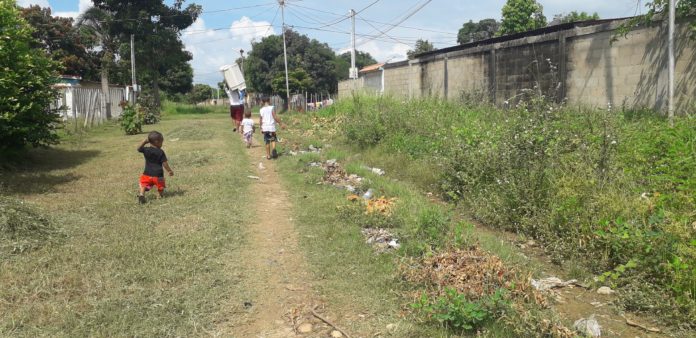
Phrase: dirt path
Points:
(276, 268)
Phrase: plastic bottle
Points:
(368, 194)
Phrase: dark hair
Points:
(155, 136)
(247, 113)
(266, 99)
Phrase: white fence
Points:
(88, 104)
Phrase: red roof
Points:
(371, 68)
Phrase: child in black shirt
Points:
(155, 159)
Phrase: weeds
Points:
(613, 189)
(23, 228)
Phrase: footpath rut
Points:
(275, 265)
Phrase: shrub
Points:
(26, 117)
(148, 108)
(454, 310)
(131, 120)
(615, 189)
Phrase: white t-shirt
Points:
(267, 119)
(247, 125)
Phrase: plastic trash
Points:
(378, 171)
(588, 327)
(394, 244)
(368, 194)
(551, 283)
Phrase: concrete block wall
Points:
(584, 65)
(467, 74)
(630, 71)
(396, 81)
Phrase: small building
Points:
(373, 78)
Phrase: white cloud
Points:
(27, 3)
(213, 48)
(82, 7)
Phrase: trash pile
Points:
(310, 149)
(381, 239)
(338, 177)
(471, 272)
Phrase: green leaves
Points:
(25, 86)
(521, 16)
(457, 312)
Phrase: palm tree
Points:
(96, 23)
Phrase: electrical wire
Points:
(412, 13)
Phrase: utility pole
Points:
(672, 17)
(285, 51)
(133, 82)
(353, 74)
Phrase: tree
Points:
(264, 63)
(422, 46)
(298, 80)
(471, 31)
(573, 17)
(178, 79)
(342, 62)
(26, 116)
(63, 42)
(200, 93)
(659, 9)
(521, 16)
(97, 23)
(157, 28)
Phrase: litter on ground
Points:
(552, 283)
(381, 239)
(588, 327)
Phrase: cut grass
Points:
(163, 269)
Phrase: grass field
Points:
(116, 268)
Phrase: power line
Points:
(202, 12)
(275, 16)
(380, 22)
(348, 17)
(412, 13)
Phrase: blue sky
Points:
(225, 27)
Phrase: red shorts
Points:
(149, 181)
(237, 113)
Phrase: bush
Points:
(26, 117)
(131, 120)
(454, 310)
(148, 108)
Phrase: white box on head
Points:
(233, 77)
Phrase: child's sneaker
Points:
(274, 154)
(141, 199)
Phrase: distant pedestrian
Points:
(268, 121)
(155, 161)
(248, 128)
(236, 107)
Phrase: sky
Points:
(225, 26)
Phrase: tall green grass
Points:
(615, 189)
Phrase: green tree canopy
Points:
(421, 46)
(200, 93)
(63, 42)
(299, 81)
(157, 27)
(573, 17)
(476, 31)
(342, 61)
(26, 117)
(521, 16)
(265, 62)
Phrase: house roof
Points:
(371, 68)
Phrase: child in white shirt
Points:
(268, 122)
(248, 128)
